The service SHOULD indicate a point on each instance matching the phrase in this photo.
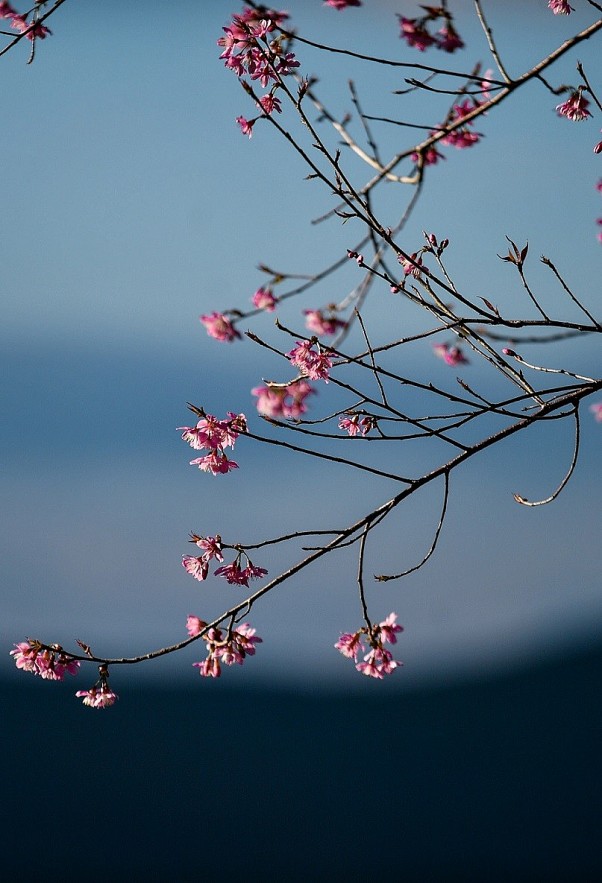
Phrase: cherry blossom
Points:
(240, 576)
(270, 103)
(377, 661)
(246, 126)
(560, 7)
(263, 299)
(431, 156)
(220, 327)
(287, 401)
(19, 22)
(98, 697)
(320, 324)
(194, 625)
(598, 146)
(342, 4)
(389, 629)
(50, 664)
(354, 426)
(196, 567)
(215, 462)
(414, 33)
(448, 39)
(575, 107)
(313, 363)
(411, 267)
(231, 649)
(451, 355)
(350, 644)
(212, 547)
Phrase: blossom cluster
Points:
(451, 354)
(560, 7)
(313, 363)
(198, 566)
(99, 696)
(353, 425)
(50, 664)
(31, 29)
(286, 401)
(416, 33)
(342, 4)
(248, 51)
(378, 661)
(575, 108)
(319, 323)
(214, 435)
(227, 649)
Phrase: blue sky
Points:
(132, 204)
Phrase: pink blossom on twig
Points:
(575, 107)
(220, 327)
(560, 7)
(451, 355)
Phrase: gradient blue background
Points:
(132, 204)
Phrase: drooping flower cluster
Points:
(353, 425)
(378, 661)
(313, 363)
(462, 137)
(35, 29)
(100, 695)
(286, 401)
(451, 354)
(229, 648)
(234, 573)
(415, 31)
(560, 7)
(214, 435)
(320, 323)
(575, 108)
(220, 327)
(50, 664)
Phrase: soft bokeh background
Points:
(132, 204)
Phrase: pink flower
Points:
(49, 664)
(353, 425)
(411, 267)
(414, 33)
(211, 546)
(596, 410)
(98, 697)
(342, 4)
(448, 39)
(196, 567)
(287, 402)
(350, 645)
(451, 355)
(246, 126)
(320, 324)
(263, 299)
(575, 107)
(313, 363)
(431, 156)
(215, 462)
(229, 650)
(194, 625)
(560, 7)
(269, 103)
(389, 628)
(219, 327)
(239, 576)
(598, 146)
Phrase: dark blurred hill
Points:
(494, 780)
